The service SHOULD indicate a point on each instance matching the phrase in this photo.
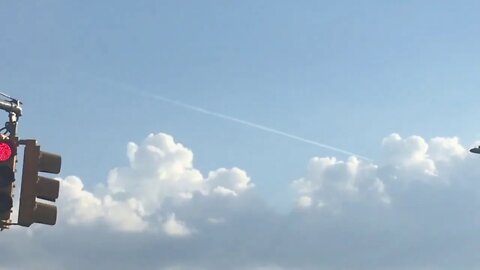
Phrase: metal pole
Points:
(11, 106)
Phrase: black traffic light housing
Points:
(8, 158)
(35, 186)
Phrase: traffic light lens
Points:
(5, 151)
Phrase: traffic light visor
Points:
(6, 151)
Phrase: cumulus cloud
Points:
(174, 227)
(331, 183)
(414, 208)
(159, 171)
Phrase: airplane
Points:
(475, 150)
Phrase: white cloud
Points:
(446, 149)
(132, 199)
(409, 155)
(224, 191)
(77, 204)
(415, 208)
(159, 169)
(332, 183)
(234, 179)
(304, 202)
(174, 227)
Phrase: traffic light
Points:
(8, 152)
(35, 186)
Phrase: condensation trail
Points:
(253, 125)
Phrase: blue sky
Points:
(342, 73)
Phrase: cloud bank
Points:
(415, 208)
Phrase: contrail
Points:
(253, 125)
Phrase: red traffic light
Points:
(6, 151)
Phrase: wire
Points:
(10, 98)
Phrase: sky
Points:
(249, 134)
